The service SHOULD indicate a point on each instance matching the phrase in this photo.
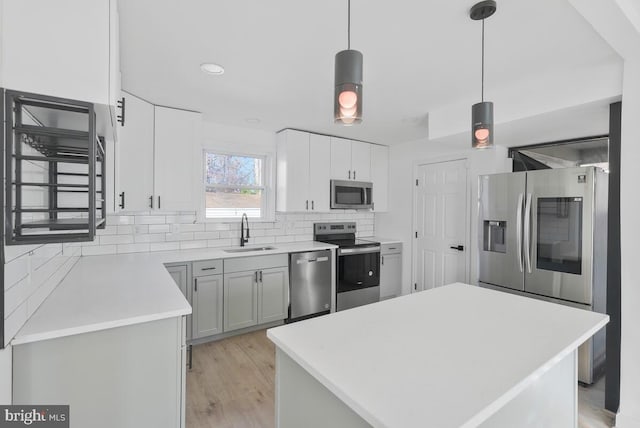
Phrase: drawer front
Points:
(207, 267)
(242, 264)
(391, 248)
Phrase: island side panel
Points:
(301, 401)
(126, 377)
(550, 401)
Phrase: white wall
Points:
(403, 161)
(629, 415)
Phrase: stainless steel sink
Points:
(247, 249)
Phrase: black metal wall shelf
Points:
(54, 170)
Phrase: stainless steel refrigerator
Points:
(543, 234)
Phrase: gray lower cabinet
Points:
(251, 291)
(390, 271)
(240, 300)
(256, 290)
(181, 274)
(207, 305)
(273, 295)
(207, 291)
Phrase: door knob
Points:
(459, 248)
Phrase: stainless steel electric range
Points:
(357, 267)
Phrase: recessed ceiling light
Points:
(253, 120)
(211, 68)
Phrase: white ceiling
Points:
(419, 56)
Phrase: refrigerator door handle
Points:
(527, 232)
(519, 230)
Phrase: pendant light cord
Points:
(482, 84)
(349, 25)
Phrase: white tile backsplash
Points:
(31, 274)
(146, 231)
(164, 246)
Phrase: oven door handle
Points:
(350, 251)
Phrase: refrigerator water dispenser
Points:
(494, 236)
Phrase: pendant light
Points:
(482, 112)
(347, 104)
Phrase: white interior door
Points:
(440, 221)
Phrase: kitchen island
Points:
(454, 356)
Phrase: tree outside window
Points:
(234, 184)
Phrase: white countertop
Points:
(447, 357)
(103, 292)
(382, 240)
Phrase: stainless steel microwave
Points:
(347, 194)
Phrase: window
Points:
(234, 184)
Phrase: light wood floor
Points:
(232, 385)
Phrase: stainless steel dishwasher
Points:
(310, 284)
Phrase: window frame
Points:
(267, 208)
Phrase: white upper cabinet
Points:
(62, 48)
(350, 160)
(361, 160)
(341, 159)
(176, 165)
(302, 173)
(380, 177)
(319, 174)
(134, 167)
(157, 158)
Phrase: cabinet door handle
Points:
(158, 202)
(208, 268)
(121, 105)
(349, 174)
(313, 205)
(196, 284)
(260, 276)
(382, 259)
(354, 174)
(151, 201)
(256, 276)
(307, 205)
(121, 204)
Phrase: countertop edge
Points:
(344, 397)
(90, 328)
(510, 394)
